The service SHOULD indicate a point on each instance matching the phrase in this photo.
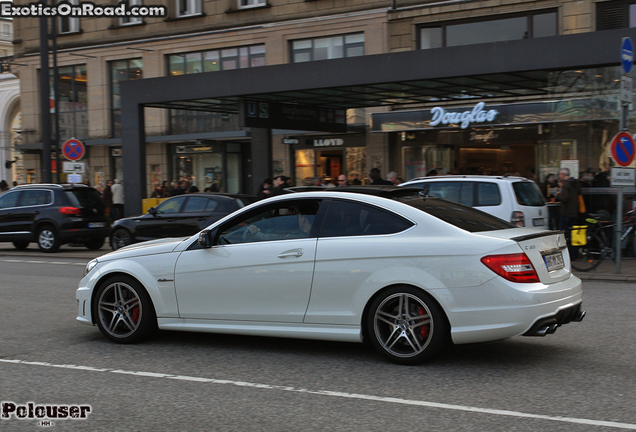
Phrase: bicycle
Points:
(596, 246)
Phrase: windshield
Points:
(528, 193)
(459, 215)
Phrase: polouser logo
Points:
(44, 413)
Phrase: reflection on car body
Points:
(179, 216)
(405, 272)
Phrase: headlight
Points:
(90, 266)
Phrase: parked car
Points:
(52, 215)
(515, 199)
(178, 216)
(405, 272)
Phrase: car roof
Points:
(468, 176)
(385, 191)
(221, 195)
(51, 185)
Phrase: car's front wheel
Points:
(48, 240)
(120, 238)
(407, 326)
(124, 311)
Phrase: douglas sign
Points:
(464, 119)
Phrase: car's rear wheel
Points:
(120, 238)
(48, 240)
(407, 326)
(94, 244)
(124, 311)
(21, 245)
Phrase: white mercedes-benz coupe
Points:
(386, 265)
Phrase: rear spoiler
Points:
(537, 235)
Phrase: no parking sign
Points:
(623, 149)
(73, 149)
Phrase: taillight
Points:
(70, 210)
(517, 219)
(512, 267)
(107, 210)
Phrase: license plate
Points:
(554, 261)
(96, 224)
(538, 222)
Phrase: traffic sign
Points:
(622, 177)
(623, 148)
(627, 54)
(73, 149)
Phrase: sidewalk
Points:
(607, 271)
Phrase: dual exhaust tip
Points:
(550, 325)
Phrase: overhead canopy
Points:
(501, 70)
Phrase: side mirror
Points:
(152, 211)
(206, 238)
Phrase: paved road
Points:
(582, 378)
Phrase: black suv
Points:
(52, 214)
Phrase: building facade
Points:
(532, 132)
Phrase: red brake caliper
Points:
(425, 328)
(135, 313)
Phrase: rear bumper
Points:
(501, 309)
(548, 325)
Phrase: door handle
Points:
(296, 254)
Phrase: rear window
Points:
(84, 197)
(528, 193)
(461, 216)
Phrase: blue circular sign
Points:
(623, 149)
(627, 54)
(73, 149)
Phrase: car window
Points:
(9, 200)
(488, 194)
(528, 193)
(346, 218)
(458, 191)
(35, 197)
(171, 206)
(197, 204)
(464, 217)
(282, 221)
(84, 197)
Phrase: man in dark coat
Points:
(568, 195)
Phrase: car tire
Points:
(123, 310)
(407, 326)
(94, 244)
(120, 238)
(48, 240)
(21, 245)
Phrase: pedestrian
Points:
(279, 183)
(393, 178)
(157, 193)
(4, 186)
(567, 195)
(265, 189)
(342, 181)
(376, 178)
(107, 196)
(118, 199)
(165, 189)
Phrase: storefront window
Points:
(418, 161)
(123, 70)
(356, 158)
(305, 166)
(72, 102)
(202, 165)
